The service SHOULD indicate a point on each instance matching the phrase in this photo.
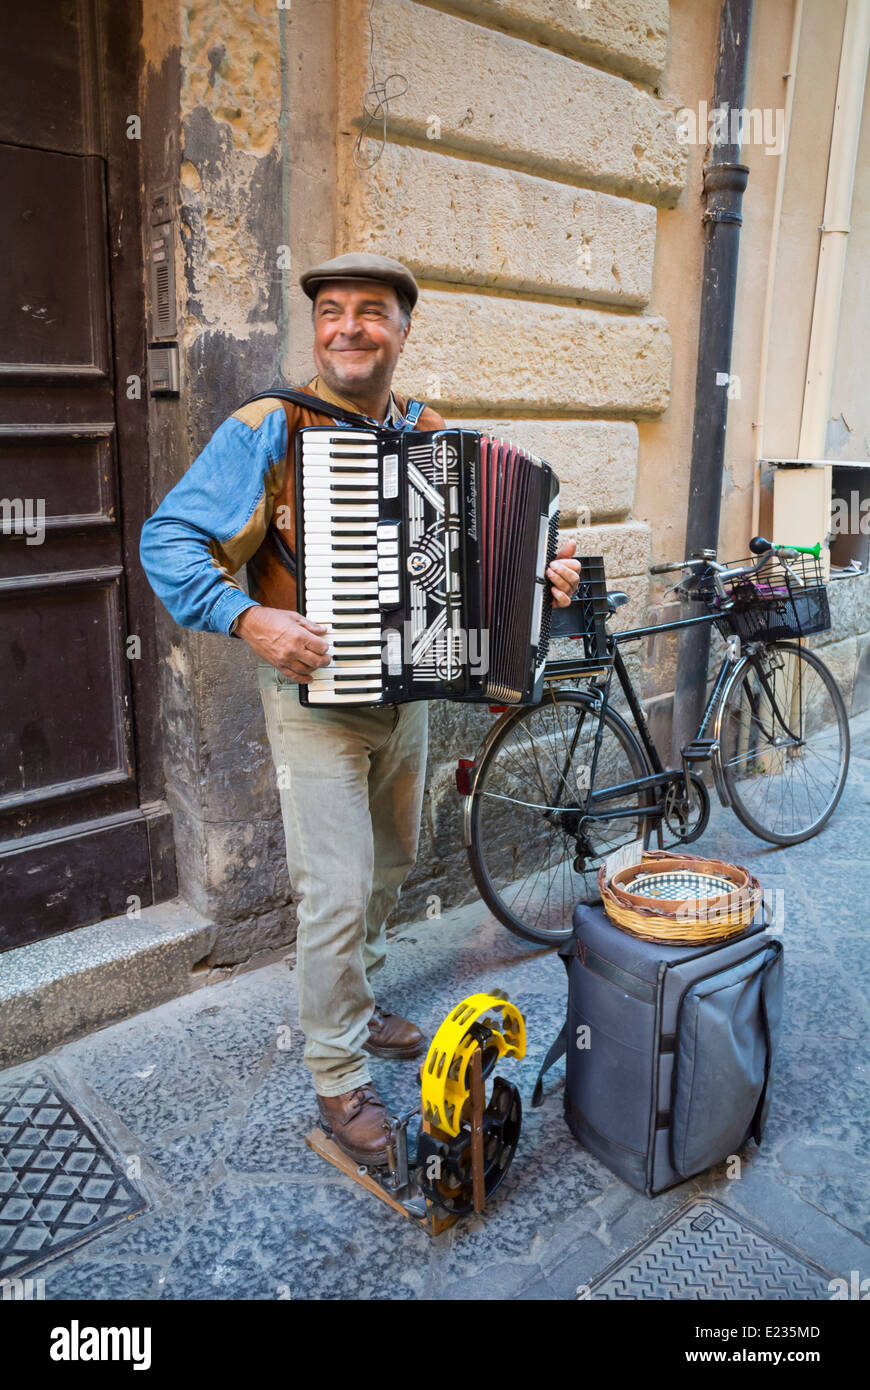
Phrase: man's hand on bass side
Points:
(564, 575)
(292, 644)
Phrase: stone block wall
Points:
(520, 178)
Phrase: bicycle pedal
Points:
(699, 750)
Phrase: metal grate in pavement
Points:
(707, 1251)
(59, 1184)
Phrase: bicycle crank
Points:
(685, 816)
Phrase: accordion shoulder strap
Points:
(336, 412)
(308, 402)
(345, 417)
(412, 414)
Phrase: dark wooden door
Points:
(83, 833)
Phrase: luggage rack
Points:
(585, 617)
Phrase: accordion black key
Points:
(424, 554)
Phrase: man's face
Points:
(358, 335)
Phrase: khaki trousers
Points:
(351, 788)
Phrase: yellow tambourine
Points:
(488, 1021)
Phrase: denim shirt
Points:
(212, 521)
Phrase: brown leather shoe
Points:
(393, 1037)
(355, 1119)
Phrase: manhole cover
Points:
(708, 1251)
(59, 1185)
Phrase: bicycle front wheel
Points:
(784, 743)
(534, 851)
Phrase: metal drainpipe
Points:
(772, 258)
(724, 181)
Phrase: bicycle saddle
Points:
(615, 599)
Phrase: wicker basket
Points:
(680, 899)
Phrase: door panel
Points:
(70, 467)
(64, 639)
(46, 95)
(81, 834)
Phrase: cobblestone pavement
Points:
(208, 1096)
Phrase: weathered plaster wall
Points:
(212, 102)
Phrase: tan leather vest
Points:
(269, 581)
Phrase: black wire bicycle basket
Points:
(786, 598)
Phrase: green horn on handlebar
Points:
(814, 550)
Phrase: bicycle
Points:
(558, 787)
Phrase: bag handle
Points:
(557, 1049)
(559, 1046)
(757, 1126)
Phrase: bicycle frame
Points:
(560, 771)
(597, 805)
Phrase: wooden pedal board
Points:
(436, 1221)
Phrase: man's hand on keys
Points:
(292, 644)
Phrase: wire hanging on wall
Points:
(376, 105)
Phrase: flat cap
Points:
(362, 266)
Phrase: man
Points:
(351, 779)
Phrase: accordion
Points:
(424, 554)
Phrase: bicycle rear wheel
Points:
(784, 743)
(532, 850)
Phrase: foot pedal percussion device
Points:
(464, 1143)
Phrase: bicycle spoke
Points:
(536, 851)
(783, 784)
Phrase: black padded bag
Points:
(669, 1049)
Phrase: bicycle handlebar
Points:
(667, 568)
(758, 545)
